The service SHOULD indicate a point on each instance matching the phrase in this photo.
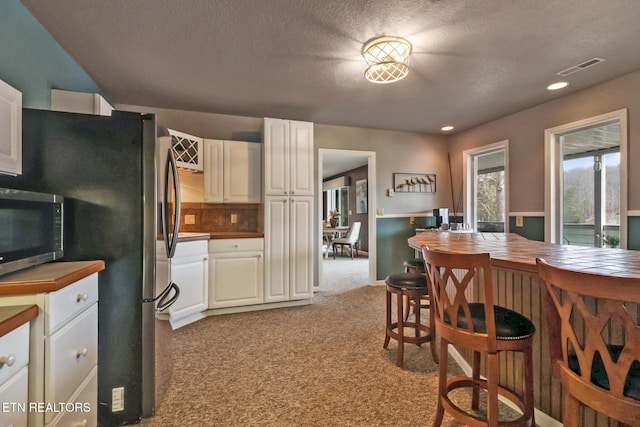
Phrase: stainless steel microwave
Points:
(31, 229)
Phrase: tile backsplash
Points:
(212, 217)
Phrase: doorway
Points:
(486, 186)
(330, 163)
(586, 182)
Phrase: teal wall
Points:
(33, 62)
(392, 245)
(532, 229)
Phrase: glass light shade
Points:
(388, 59)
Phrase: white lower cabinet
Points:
(63, 355)
(190, 271)
(236, 272)
(14, 376)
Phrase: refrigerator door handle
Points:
(171, 175)
(165, 299)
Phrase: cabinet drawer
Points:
(235, 245)
(71, 354)
(85, 402)
(15, 347)
(15, 392)
(66, 303)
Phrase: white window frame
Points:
(468, 186)
(553, 172)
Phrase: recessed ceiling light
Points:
(446, 128)
(558, 85)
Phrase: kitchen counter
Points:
(47, 277)
(515, 253)
(12, 317)
(194, 236)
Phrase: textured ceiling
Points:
(473, 61)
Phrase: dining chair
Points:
(599, 342)
(351, 239)
(483, 328)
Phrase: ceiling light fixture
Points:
(558, 85)
(388, 59)
(446, 128)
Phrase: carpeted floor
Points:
(317, 365)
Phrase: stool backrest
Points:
(452, 279)
(599, 338)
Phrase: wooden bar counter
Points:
(518, 287)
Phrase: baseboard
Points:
(542, 419)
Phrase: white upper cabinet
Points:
(79, 102)
(187, 149)
(10, 130)
(232, 171)
(288, 157)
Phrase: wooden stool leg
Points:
(570, 411)
(442, 382)
(432, 329)
(417, 319)
(492, 389)
(528, 384)
(475, 374)
(386, 333)
(399, 299)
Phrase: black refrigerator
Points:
(105, 167)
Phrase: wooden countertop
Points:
(194, 236)
(515, 253)
(47, 277)
(12, 317)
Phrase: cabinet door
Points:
(242, 172)
(10, 130)
(301, 248)
(276, 157)
(236, 279)
(191, 274)
(276, 250)
(213, 170)
(301, 152)
(187, 149)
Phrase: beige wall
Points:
(525, 132)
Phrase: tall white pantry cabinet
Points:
(288, 209)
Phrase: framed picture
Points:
(414, 182)
(361, 196)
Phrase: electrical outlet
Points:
(380, 211)
(519, 221)
(412, 220)
(234, 218)
(189, 219)
(117, 399)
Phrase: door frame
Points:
(468, 183)
(371, 208)
(553, 172)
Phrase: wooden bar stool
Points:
(595, 344)
(484, 328)
(414, 265)
(407, 286)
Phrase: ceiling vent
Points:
(586, 64)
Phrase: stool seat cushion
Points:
(407, 281)
(599, 375)
(510, 325)
(415, 263)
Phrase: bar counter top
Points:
(510, 251)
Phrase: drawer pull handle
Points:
(82, 423)
(82, 297)
(237, 245)
(7, 360)
(81, 352)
